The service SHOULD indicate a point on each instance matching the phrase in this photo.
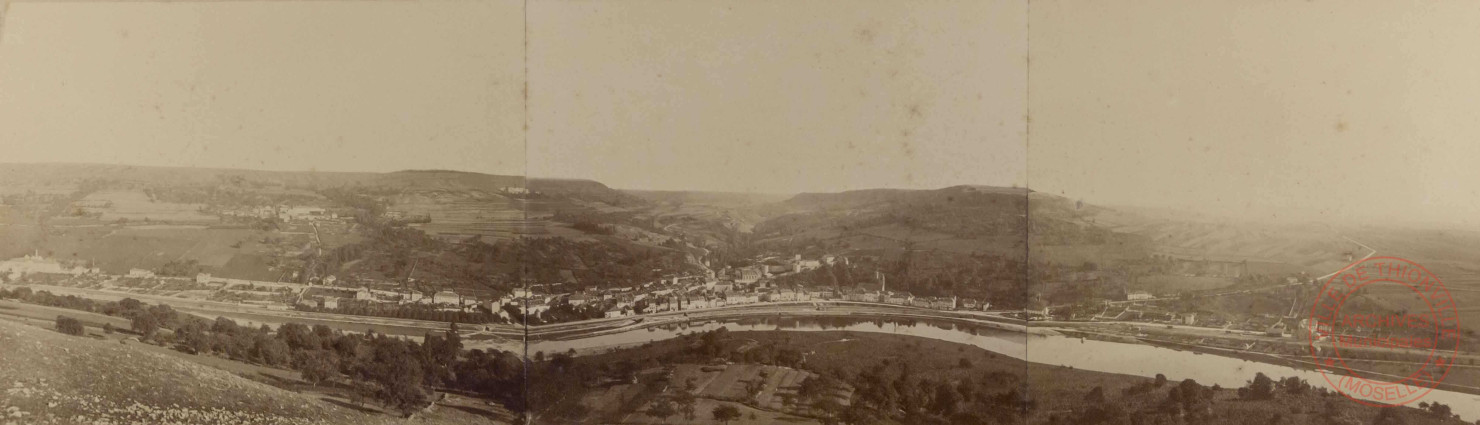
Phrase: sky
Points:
(778, 96)
(316, 85)
(1345, 111)
(1350, 111)
(723, 95)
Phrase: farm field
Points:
(223, 251)
(1163, 284)
(133, 205)
(116, 249)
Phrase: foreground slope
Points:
(47, 377)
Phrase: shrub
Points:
(69, 326)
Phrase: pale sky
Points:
(1352, 110)
(778, 95)
(1358, 110)
(333, 86)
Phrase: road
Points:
(1370, 253)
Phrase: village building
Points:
(578, 299)
(943, 303)
(750, 274)
(900, 298)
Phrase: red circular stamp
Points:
(1388, 354)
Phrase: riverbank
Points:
(1291, 361)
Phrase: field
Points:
(225, 252)
(31, 313)
(490, 217)
(715, 388)
(117, 249)
(1173, 284)
(133, 205)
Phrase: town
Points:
(717, 288)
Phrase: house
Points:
(855, 294)
(140, 273)
(697, 302)
(615, 312)
(784, 294)
(202, 278)
(578, 299)
(743, 298)
(900, 299)
(331, 302)
(1138, 296)
(750, 274)
(330, 279)
(535, 307)
(968, 304)
(943, 303)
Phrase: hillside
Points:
(714, 199)
(962, 219)
(48, 377)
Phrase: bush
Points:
(69, 326)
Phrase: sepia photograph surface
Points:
(738, 212)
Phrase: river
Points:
(1100, 356)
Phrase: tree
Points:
(316, 366)
(1262, 388)
(145, 324)
(661, 409)
(1388, 417)
(686, 402)
(810, 388)
(270, 351)
(725, 413)
(108, 328)
(69, 326)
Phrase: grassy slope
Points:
(57, 378)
